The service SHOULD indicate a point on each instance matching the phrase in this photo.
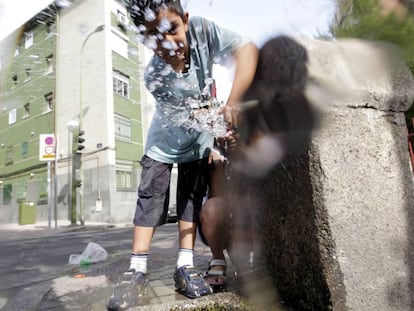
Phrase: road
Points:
(34, 269)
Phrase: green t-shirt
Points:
(171, 136)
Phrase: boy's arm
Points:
(245, 59)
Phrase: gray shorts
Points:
(154, 191)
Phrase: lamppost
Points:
(81, 206)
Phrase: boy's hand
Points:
(232, 139)
(231, 115)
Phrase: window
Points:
(15, 79)
(28, 42)
(122, 20)
(50, 28)
(16, 51)
(119, 44)
(49, 102)
(12, 116)
(7, 193)
(26, 110)
(28, 74)
(123, 179)
(122, 128)
(9, 155)
(124, 176)
(120, 84)
(25, 149)
(49, 63)
(20, 191)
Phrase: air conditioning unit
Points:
(122, 20)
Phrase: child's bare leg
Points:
(214, 218)
(187, 234)
(142, 239)
(215, 224)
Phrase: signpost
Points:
(47, 152)
(47, 147)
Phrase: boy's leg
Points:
(140, 248)
(142, 239)
(186, 241)
(152, 204)
(151, 211)
(187, 234)
(191, 189)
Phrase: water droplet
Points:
(63, 3)
(169, 45)
(150, 42)
(164, 25)
(149, 15)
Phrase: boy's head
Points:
(162, 27)
(143, 10)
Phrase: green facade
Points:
(130, 108)
(27, 100)
(27, 87)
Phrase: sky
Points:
(261, 19)
(258, 19)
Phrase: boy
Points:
(177, 76)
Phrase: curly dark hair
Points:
(275, 101)
(139, 10)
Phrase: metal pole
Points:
(81, 207)
(55, 184)
(81, 197)
(73, 185)
(49, 195)
(69, 174)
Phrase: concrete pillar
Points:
(340, 211)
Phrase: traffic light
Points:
(80, 141)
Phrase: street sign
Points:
(47, 147)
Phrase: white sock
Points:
(185, 257)
(139, 262)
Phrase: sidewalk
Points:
(39, 229)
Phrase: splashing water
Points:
(169, 45)
(63, 3)
(206, 117)
(150, 15)
(150, 42)
(164, 25)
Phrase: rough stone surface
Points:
(222, 301)
(340, 210)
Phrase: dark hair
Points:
(276, 100)
(139, 8)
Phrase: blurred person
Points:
(276, 114)
(215, 216)
(185, 50)
(226, 224)
(276, 119)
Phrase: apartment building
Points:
(68, 69)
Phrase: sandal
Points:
(216, 278)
